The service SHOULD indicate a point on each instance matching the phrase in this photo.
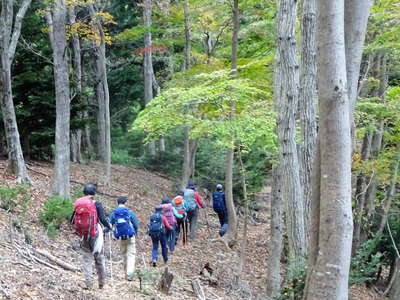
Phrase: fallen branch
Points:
(165, 281)
(198, 289)
(57, 261)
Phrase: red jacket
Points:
(165, 222)
(198, 199)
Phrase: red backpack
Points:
(169, 214)
(85, 219)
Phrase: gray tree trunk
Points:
(356, 20)
(286, 99)
(148, 63)
(276, 243)
(9, 34)
(56, 20)
(328, 278)
(102, 94)
(307, 92)
(189, 153)
(76, 134)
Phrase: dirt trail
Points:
(23, 278)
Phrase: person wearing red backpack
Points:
(86, 218)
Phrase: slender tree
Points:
(102, 91)
(148, 62)
(286, 99)
(10, 31)
(56, 20)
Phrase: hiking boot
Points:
(101, 285)
(154, 263)
(88, 286)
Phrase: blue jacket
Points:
(132, 218)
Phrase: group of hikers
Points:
(170, 221)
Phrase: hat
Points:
(219, 186)
(158, 209)
(178, 200)
(191, 185)
(165, 200)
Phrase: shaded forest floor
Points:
(23, 277)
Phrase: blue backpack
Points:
(219, 201)
(123, 227)
(156, 226)
(188, 196)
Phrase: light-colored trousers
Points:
(128, 252)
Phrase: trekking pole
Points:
(111, 270)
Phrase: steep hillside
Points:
(26, 274)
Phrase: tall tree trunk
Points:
(9, 35)
(76, 134)
(56, 20)
(189, 154)
(148, 63)
(188, 41)
(276, 244)
(395, 290)
(307, 91)
(286, 99)
(356, 20)
(329, 276)
(103, 92)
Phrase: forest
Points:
(292, 106)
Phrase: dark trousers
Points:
(170, 236)
(181, 228)
(222, 216)
(159, 240)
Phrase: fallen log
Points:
(198, 289)
(57, 261)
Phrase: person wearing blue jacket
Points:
(126, 226)
(219, 206)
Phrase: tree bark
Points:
(276, 243)
(103, 92)
(76, 134)
(9, 35)
(329, 275)
(286, 99)
(307, 91)
(56, 20)
(148, 63)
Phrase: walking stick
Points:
(111, 270)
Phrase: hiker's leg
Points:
(87, 266)
(101, 267)
(221, 217)
(131, 256)
(154, 250)
(193, 225)
(164, 248)
(225, 217)
(123, 247)
(178, 230)
(172, 239)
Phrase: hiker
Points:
(194, 202)
(126, 226)
(219, 205)
(157, 231)
(181, 209)
(85, 218)
(170, 213)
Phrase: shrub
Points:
(10, 198)
(294, 280)
(366, 262)
(54, 212)
(121, 157)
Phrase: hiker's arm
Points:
(166, 224)
(111, 218)
(198, 199)
(101, 214)
(176, 214)
(134, 221)
(71, 220)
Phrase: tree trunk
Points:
(329, 276)
(76, 134)
(189, 154)
(56, 20)
(187, 34)
(395, 291)
(286, 99)
(276, 243)
(148, 63)
(230, 236)
(389, 195)
(356, 20)
(9, 35)
(103, 92)
(307, 91)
